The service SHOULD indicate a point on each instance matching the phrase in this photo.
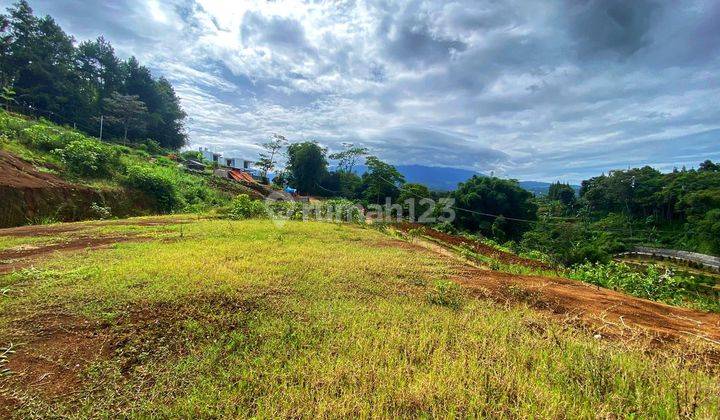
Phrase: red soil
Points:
(478, 247)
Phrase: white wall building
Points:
(211, 156)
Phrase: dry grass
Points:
(221, 318)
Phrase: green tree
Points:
(381, 181)
(563, 193)
(415, 200)
(486, 198)
(272, 148)
(348, 158)
(307, 166)
(709, 166)
(126, 111)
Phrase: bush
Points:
(653, 283)
(159, 183)
(41, 137)
(243, 207)
(87, 157)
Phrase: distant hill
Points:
(443, 178)
(536, 187)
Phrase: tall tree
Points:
(126, 111)
(166, 123)
(348, 158)
(486, 198)
(307, 166)
(563, 193)
(381, 181)
(272, 148)
(99, 66)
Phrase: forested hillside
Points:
(45, 73)
(640, 206)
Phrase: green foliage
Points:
(654, 202)
(381, 181)
(44, 73)
(446, 293)
(653, 283)
(417, 194)
(340, 184)
(158, 183)
(307, 166)
(494, 196)
(192, 155)
(243, 207)
(348, 158)
(708, 231)
(88, 157)
(563, 193)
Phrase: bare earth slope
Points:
(28, 194)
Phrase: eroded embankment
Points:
(608, 313)
(28, 194)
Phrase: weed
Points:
(446, 293)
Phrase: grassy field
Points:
(240, 318)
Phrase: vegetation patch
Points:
(240, 318)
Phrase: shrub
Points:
(192, 154)
(10, 124)
(653, 283)
(102, 212)
(243, 207)
(446, 293)
(87, 157)
(157, 182)
(42, 137)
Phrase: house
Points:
(241, 164)
(238, 163)
(213, 157)
(194, 165)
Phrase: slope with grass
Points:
(186, 317)
(52, 173)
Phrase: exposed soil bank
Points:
(29, 195)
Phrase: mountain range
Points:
(443, 178)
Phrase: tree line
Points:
(44, 73)
(609, 213)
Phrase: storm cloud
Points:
(532, 90)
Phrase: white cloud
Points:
(528, 89)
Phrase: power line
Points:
(568, 219)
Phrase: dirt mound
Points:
(28, 194)
(17, 173)
(609, 312)
(478, 247)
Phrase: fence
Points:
(693, 259)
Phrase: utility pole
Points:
(102, 117)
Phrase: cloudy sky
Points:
(555, 90)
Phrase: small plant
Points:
(42, 220)
(5, 353)
(415, 232)
(243, 207)
(653, 283)
(446, 293)
(103, 212)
